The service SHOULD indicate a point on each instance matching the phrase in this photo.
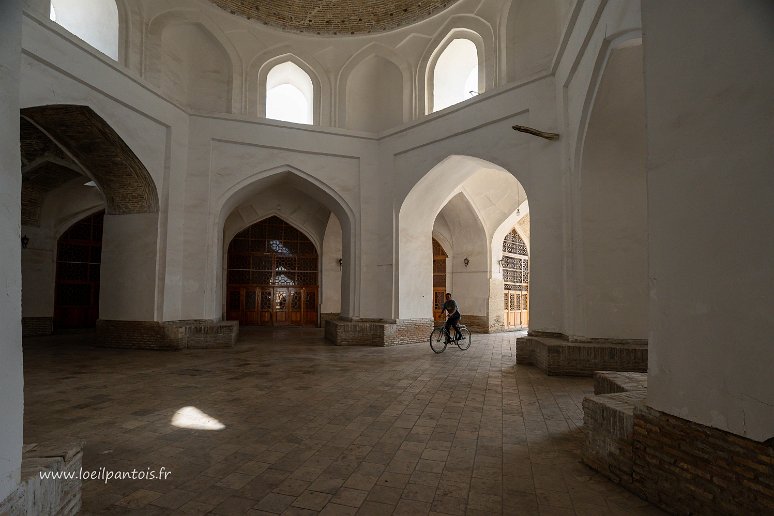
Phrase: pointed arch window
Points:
(93, 21)
(289, 94)
(455, 74)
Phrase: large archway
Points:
(272, 276)
(311, 208)
(74, 164)
(462, 201)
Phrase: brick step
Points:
(608, 423)
(608, 382)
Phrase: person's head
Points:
(448, 296)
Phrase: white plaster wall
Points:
(196, 70)
(614, 286)
(128, 272)
(710, 120)
(11, 367)
(530, 51)
(374, 95)
(331, 270)
(596, 28)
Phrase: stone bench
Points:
(362, 332)
(167, 335)
(556, 356)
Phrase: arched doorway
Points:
(272, 276)
(78, 262)
(515, 265)
(439, 280)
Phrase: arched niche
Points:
(367, 72)
(193, 62)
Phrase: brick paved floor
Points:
(312, 428)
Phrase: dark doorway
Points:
(78, 258)
(272, 276)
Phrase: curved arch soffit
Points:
(68, 222)
(157, 24)
(611, 43)
(102, 154)
(242, 190)
(452, 170)
(465, 26)
(259, 68)
(379, 50)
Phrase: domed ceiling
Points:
(335, 17)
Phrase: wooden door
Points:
(296, 306)
(265, 306)
(78, 262)
(310, 306)
(250, 314)
(281, 306)
(439, 298)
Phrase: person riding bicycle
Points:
(452, 316)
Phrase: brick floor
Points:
(311, 428)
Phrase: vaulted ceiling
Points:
(335, 17)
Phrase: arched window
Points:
(94, 21)
(515, 266)
(455, 76)
(289, 94)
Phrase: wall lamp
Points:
(466, 262)
(25, 240)
(340, 261)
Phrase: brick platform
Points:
(47, 496)
(688, 468)
(377, 333)
(681, 466)
(556, 356)
(168, 335)
(608, 382)
(34, 326)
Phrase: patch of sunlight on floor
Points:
(195, 419)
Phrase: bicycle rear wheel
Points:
(438, 340)
(464, 342)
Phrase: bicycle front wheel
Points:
(464, 342)
(438, 340)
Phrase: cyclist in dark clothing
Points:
(452, 316)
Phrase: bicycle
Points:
(440, 338)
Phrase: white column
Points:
(11, 371)
(708, 77)
(128, 286)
